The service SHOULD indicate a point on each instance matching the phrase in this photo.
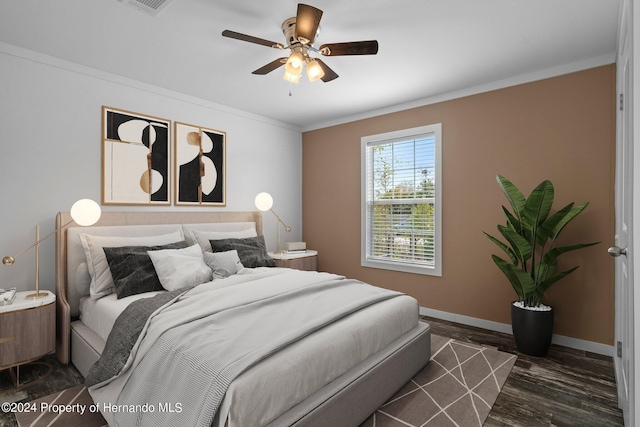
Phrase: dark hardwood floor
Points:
(566, 388)
(38, 379)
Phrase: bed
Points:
(338, 350)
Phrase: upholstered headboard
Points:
(67, 251)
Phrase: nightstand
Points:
(27, 331)
(307, 260)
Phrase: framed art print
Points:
(200, 175)
(136, 163)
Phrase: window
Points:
(401, 200)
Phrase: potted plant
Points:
(530, 233)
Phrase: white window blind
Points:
(400, 197)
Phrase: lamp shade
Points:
(291, 77)
(264, 201)
(85, 212)
(314, 70)
(294, 64)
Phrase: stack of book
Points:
(295, 247)
(295, 251)
(7, 296)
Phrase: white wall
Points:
(50, 152)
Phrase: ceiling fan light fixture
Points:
(300, 32)
(314, 70)
(294, 63)
(293, 78)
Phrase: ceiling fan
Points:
(300, 32)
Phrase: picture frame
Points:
(136, 158)
(200, 165)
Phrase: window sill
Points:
(403, 267)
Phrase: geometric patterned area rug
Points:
(457, 388)
(72, 407)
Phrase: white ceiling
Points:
(428, 48)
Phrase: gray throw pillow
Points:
(132, 269)
(251, 250)
(223, 264)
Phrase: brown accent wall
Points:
(561, 129)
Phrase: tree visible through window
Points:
(401, 200)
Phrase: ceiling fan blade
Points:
(307, 22)
(369, 47)
(270, 66)
(251, 39)
(329, 74)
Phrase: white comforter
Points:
(290, 369)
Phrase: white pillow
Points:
(202, 237)
(101, 280)
(83, 279)
(223, 264)
(219, 227)
(177, 268)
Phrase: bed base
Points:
(86, 347)
(352, 398)
(347, 401)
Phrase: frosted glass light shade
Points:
(294, 64)
(291, 77)
(264, 201)
(85, 212)
(314, 70)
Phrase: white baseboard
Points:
(593, 347)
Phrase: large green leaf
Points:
(504, 247)
(548, 264)
(520, 280)
(538, 205)
(546, 230)
(554, 253)
(519, 245)
(512, 220)
(514, 196)
(544, 270)
(513, 280)
(572, 214)
(545, 284)
(536, 211)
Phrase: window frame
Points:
(434, 130)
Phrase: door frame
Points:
(634, 103)
(629, 23)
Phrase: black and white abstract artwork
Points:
(136, 159)
(200, 166)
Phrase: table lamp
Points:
(264, 202)
(84, 212)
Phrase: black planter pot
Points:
(532, 330)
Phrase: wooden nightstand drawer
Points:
(299, 261)
(27, 334)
